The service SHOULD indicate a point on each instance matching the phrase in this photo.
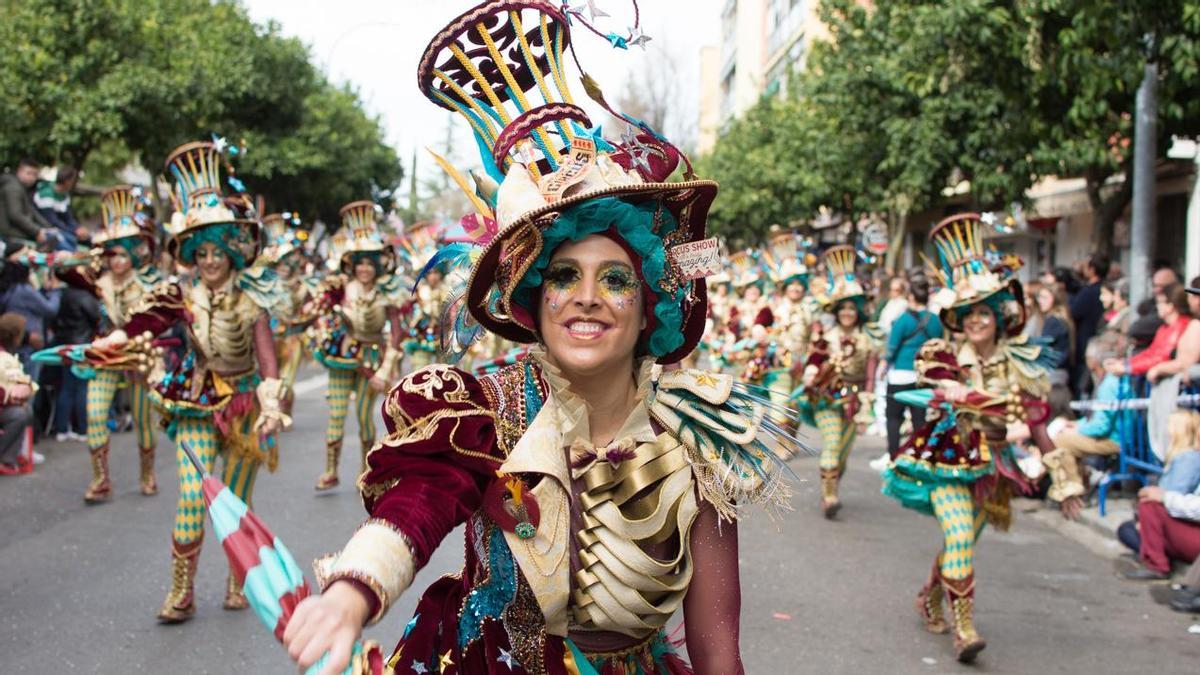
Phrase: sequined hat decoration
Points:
(501, 66)
(360, 221)
(745, 268)
(200, 202)
(122, 215)
(964, 265)
(789, 259)
(284, 236)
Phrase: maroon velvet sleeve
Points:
(161, 310)
(430, 472)
(78, 276)
(713, 605)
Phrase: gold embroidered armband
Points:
(379, 557)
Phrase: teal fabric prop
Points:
(214, 234)
(633, 223)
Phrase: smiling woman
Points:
(593, 474)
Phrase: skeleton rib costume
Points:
(125, 231)
(226, 386)
(358, 333)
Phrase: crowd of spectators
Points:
(1107, 351)
(37, 311)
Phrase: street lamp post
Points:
(1145, 134)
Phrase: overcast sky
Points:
(375, 45)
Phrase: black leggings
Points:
(895, 416)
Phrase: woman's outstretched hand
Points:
(329, 622)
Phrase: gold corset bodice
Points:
(365, 312)
(222, 327)
(615, 558)
(851, 352)
(634, 563)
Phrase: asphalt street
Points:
(80, 585)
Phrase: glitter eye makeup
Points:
(618, 283)
(562, 278)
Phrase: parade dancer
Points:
(224, 397)
(425, 316)
(794, 310)
(358, 334)
(124, 274)
(590, 485)
(839, 372)
(960, 467)
(285, 254)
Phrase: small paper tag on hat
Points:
(697, 259)
(571, 170)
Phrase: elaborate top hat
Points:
(501, 66)
(963, 266)
(360, 222)
(843, 282)
(744, 268)
(200, 204)
(790, 261)
(283, 236)
(122, 216)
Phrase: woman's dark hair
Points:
(1177, 296)
(1067, 278)
(919, 289)
(12, 330)
(13, 274)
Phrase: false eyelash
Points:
(561, 274)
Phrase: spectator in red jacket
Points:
(1172, 306)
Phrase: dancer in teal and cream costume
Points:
(224, 397)
(838, 376)
(960, 467)
(358, 334)
(120, 276)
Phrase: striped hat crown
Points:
(501, 66)
(121, 215)
(963, 262)
(200, 202)
(839, 271)
(790, 260)
(360, 222)
(744, 267)
(965, 266)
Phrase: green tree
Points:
(335, 155)
(903, 100)
(149, 75)
(1087, 58)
